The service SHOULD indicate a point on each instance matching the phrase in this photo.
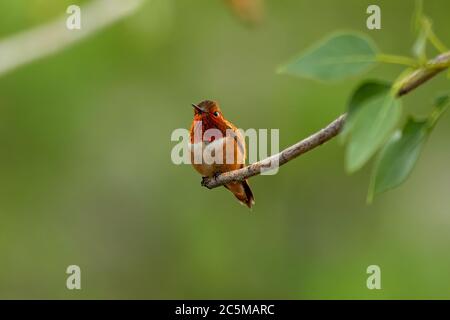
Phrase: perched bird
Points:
(210, 131)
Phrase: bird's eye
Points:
(216, 113)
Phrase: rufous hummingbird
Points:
(225, 138)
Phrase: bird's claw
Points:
(205, 180)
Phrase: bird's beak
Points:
(197, 108)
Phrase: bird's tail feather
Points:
(242, 192)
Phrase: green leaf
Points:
(376, 112)
(441, 104)
(442, 101)
(399, 156)
(337, 57)
(366, 91)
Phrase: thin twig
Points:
(413, 81)
(422, 75)
(52, 37)
(281, 158)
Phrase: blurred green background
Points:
(87, 179)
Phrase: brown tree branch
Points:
(411, 82)
(422, 75)
(281, 158)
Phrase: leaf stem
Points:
(400, 60)
(435, 41)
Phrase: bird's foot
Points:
(204, 180)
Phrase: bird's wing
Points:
(239, 139)
(241, 144)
